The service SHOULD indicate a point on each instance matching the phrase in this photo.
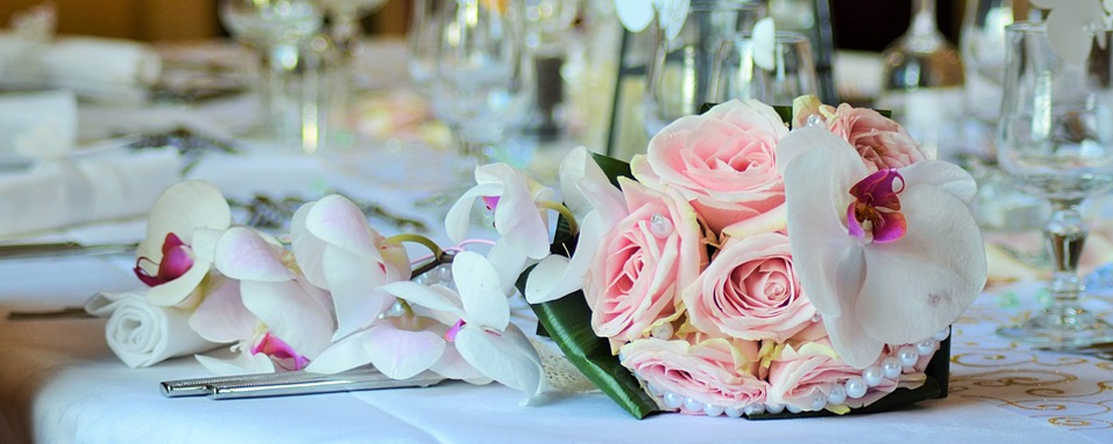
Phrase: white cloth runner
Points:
(99, 69)
(37, 125)
(85, 188)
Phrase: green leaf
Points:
(568, 321)
(612, 167)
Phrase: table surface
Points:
(59, 382)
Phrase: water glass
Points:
(776, 78)
(1055, 140)
(680, 77)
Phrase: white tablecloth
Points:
(60, 384)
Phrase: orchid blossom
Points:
(892, 257)
(599, 205)
(338, 251)
(519, 204)
(1070, 25)
(482, 334)
(167, 259)
(277, 313)
(636, 15)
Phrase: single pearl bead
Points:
(692, 405)
(774, 408)
(654, 390)
(873, 375)
(837, 395)
(942, 334)
(793, 409)
(673, 400)
(925, 348)
(660, 225)
(819, 401)
(891, 367)
(856, 387)
(814, 120)
(908, 356)
(754, 409)
(662, 331)
(816, 317)
(712, 410)
(733, 412)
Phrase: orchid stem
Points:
(418, 239)
(563, 211)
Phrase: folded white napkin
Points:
(38, 125)
(85, 188)
(97, 69)
(142, 334)
(102, 69)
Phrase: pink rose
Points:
(880, 141)
(750, 291)
(717, 372)
(804, 376)
(722, 161)
(641, 263)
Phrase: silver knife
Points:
(57, 249)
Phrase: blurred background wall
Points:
(859, 24)
(160, 20)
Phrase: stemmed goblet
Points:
(275, 29)
(480, 88)
(1055, 139)
(785, 72)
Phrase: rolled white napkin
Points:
(85, 188)
(38, 125)
(142, 334)
(97, 69)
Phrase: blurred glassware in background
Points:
(680, 77)
(481, 88)
(344, 27)
(1055, 139)
(296, 67)
(423, 41)
(788, 71)
(546, 26)
(923, 83)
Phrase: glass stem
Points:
(1066, 234)
(923, 17)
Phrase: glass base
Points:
(1060, 327)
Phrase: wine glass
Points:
(680, 77)
(1055, 139)
(423, 41)
(923, 83)
(276, 30)
(785, 72)
(480, 86)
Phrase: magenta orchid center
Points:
(177, 259)
(450, 335)
(875, 216)
(492, 202)
(281, 352)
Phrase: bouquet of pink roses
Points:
(752, 270)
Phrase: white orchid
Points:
(521, 218)
(891, 257)
(338, 251)
(636, 15)
(168, 259)
(277, 313)
(599, 206)
(483, 335)
(1070, 24)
